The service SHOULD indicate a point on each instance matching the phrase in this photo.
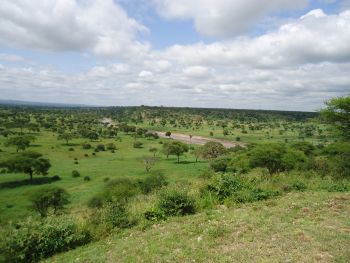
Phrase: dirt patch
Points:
(200, 140)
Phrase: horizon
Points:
(259, 55)
(14, 103)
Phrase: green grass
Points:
(298, 227)
(125, 162)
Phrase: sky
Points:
(246, 54)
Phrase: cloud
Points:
(313, 38)
(101, 26)
(197, 71)
(223, 18)
(294, 67)
(145, 74)
(11, 57)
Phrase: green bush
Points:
(152, 182)
(108, 217)
(87, 178)
(154, 215)
(176, 203)
(86, 146)
(31, 241)
(240, 190)
(100, 148)
(137, 144)
(75, 174)
(96, 202)
(219, 164)
(48, 199)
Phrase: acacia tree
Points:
(49, 198)
(66, 136)
(212, 150)
(27, 162)
(177, 148)
(338, 114)
(20, 142)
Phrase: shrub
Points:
(100, 148)
(239, 189)
(31, 241)
(86, 146)
(96, 202)
(49, 198)
(338, 187)
(111, 146)
(154, 215)
(55, 178)
(86, 155)
(75, 173)
(176, 203)
(137, 144)
(87, 178)
(219, 164)
(71, 149)
(152, 182)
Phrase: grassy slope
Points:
(298, 227)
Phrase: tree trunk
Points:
(31, 176)
(178, 159)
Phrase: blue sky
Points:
(287, 55)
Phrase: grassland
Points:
(299, 227)
(125, 162)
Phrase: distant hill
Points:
(42, 104)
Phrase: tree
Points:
(168, 134)
(20, 142)
(177, 148)
(212, 150)
(148, 162)
(27, 162)
(197, 152)
(66, 136)
(153, 150)
(269, 156)
(337, 113)
(49, 198)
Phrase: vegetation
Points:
(121, 187)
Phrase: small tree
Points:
(153, 150)
(168, 134)
(338, 114)
(27, 162)
(49, 198)
(212, 150)
(177, 148)
(20, 142)
(148, 162)
(66, 136)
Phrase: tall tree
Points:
(338, 114)
(27, 162)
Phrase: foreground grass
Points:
(298, 227)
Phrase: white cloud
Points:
(70, 25)
(11, 57)
(295, 67)
(197, 71)
(145, 74)
(310, 39)
(223, 17)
